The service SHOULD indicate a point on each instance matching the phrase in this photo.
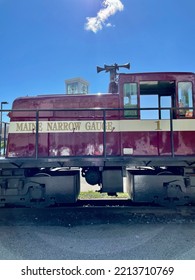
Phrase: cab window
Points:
(185, 99)
(130, 100)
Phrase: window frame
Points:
(131, 114)
(185, 112)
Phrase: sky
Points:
(44, 42)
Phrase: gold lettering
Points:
(60, 126)
(49, 126)
(87, 125)
(31, 127)
(65, 126)
(109, 126)
(158, 125)
(28, 127)
(19, 126)
(71, 126)
(25, 127)
(98, 126)
(93, 126)
(55, 126)
(77, 125)
(40, 126)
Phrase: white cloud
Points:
(110, 8)
(109, 25)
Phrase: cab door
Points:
(146, 128)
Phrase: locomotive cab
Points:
(146, 91)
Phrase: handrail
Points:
(172, 134)
(3, 137)
(37, 135)
(97, 109)
(104, 119)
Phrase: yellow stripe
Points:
(97, 126)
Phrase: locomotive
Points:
(142, 130)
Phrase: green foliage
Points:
(96, 195)
(2, 144)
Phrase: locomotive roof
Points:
(159, 75)
(66, 100)
(62, 95)
(139, 76)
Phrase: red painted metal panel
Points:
(147, 143)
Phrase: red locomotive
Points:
(143, 129)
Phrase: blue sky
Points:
(44, 42)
